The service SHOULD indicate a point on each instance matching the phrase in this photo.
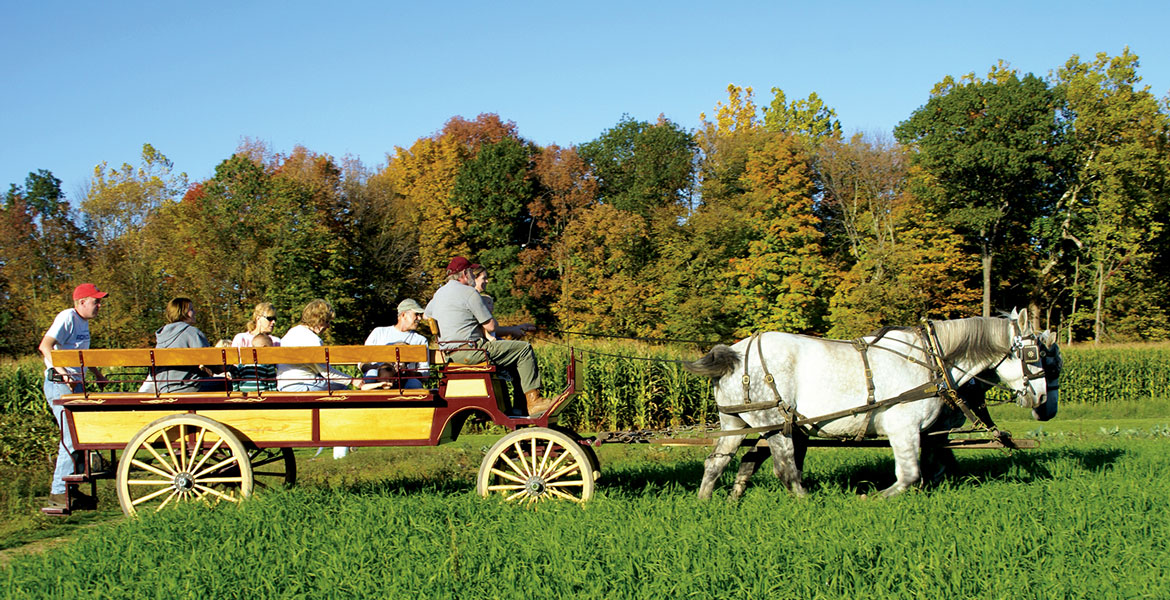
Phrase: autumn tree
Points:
(119, 208)
(42, 248)
(899, 261)
(782, 281)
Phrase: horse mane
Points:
(978, 338)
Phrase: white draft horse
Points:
(773, 378)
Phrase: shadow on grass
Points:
(866, 474)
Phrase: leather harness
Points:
(942, 384)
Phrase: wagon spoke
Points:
(148, 482)
(220, 480)
(557, 462)
(141, 465)
(183, 447)
(208, 454)
(231, 459)
(153, 495)
(197, 446)
(564, 496)
(221, 495)
(566, 470)
(504, 486)
(571, 482)
(177, 497)
(516, 469)
(520, 457)
(507, 475)
(171, 449)
(162, 461)
(517, 494)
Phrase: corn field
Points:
(637, 386)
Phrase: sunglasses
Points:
(272, 319)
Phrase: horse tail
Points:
(720, 361)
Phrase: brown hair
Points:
(261, 310)
(177, 309)
(317, 313)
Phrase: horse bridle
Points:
(1028, 350)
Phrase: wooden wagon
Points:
(220, 446)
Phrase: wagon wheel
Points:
(590, 451)
(536, 464)
(182, 458)
(273, 467)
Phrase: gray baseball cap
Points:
(409, 304)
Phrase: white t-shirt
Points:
(306, 373)
(388, 336)
(71, 332)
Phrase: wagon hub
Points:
(184, 482)
(535, 486)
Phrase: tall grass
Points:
(1069, 520)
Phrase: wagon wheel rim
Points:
(273, 468)
(536, 465)
(180, 459)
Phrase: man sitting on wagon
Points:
(463, 321)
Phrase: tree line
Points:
(1005, 190)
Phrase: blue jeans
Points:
(66, 462)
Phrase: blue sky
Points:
(88, 82)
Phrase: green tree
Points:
(641, 166)
(990, 146)
(494, 189)
(1116, 198)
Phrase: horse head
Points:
(1022, 368)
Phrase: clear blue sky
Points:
(86, 82)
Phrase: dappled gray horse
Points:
(881, 385)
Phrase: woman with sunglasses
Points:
(263, 321)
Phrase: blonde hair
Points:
(317, 313)
(261, 340)
(177, 309)
(261, 310)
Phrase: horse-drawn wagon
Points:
(794, 391)
(184, 446)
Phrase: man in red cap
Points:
(464, 319)
(69, 331)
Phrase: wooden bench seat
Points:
(170, 357)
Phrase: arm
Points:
(514, 331)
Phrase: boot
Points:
(536, 405)
(58, 501)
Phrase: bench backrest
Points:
(165, 357)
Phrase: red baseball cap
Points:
(88, 290)
(458, 265)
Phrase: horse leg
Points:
(905, 446)
(717, 461)
(751, 461)
(937, 460)
(787, 456)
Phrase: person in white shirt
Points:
(69, 331)
(315, 318)
(402, 332)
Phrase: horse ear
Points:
(1021, 319)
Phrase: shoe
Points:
(58, 501)
(537, 406)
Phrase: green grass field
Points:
(1087, 514)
